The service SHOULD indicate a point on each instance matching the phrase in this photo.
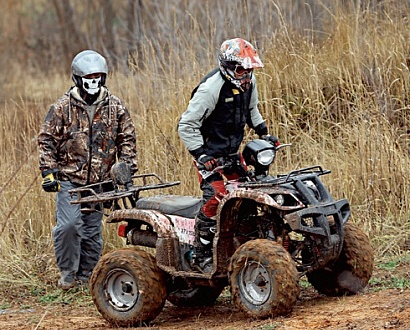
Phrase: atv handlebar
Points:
(224, 162)
(281, 146)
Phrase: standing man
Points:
(213, 125)
(84, 133)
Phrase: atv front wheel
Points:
(128, 288)
(263, 278)
(351, 271)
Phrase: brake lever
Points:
(222, 163)
(280, 146)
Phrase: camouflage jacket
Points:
(83, 150)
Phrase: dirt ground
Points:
(377, 307)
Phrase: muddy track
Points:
(387, 309)
(376, 308)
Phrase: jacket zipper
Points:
(90, 148)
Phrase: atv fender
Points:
(228, 211)
(167, 249)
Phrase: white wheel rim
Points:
(121, 289)
(255, 283)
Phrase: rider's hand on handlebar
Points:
(272, 139)
(208, 162)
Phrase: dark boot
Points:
(204, 236)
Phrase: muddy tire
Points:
(352, 270)
(195, 296)
(263, 279)
(128, 288)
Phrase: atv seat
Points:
(184, 206)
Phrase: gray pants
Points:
(77, 237)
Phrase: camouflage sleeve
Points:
(49, 138)
(126, 140)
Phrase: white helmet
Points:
(85, 63)
(237, 59)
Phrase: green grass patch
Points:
(79, 296)
(394, 282)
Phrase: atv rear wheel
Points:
(128, 288)
(351, 271)
(195, 296)
(263, 278)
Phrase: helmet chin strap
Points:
(245, 85)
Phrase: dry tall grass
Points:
(342, 101)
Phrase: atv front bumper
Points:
(318, 219)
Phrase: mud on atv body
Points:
(270, 231)
(248, 212)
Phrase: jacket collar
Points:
(75, 93)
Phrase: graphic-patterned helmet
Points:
(86, 63)
(237, 59)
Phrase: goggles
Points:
(238, 69)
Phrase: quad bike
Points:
(270, 231)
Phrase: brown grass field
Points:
(341, 97)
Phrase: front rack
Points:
(286, 178)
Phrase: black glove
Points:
(271, 139)
(208, 162)
(50, 183)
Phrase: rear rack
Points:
(95, 193)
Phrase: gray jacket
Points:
(216, 115)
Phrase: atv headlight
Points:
(266, 157)
(280, 199)
(313, 187)
(259, 154)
